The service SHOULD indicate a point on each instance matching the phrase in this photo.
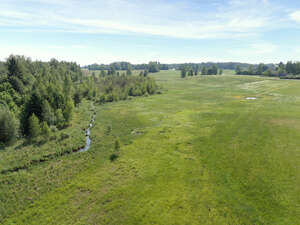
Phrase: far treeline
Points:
(153, 67)
(290, 70)
(194, 70)
(37, 98)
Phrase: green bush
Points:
(113, 157)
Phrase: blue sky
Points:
(103, 31)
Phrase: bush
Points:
(117, 145)
(113, 157)
(7, 127)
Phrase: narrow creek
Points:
(55, 155)
(88, 135)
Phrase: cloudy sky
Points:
(138, 31)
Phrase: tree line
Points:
(194, 70)
(38, 97)
(109, 86)
(288, 70)
(175, 66)
(152, 67)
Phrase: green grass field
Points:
(199, 153)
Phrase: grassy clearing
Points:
(198, 154)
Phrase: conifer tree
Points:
(183, 73)
(45, 130)
(7, 127)
(33, 126)
(68, 110)
(60, 120)
(117, 145)
(47, 113)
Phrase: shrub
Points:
(117, 145)
(113, 157)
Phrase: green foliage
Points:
(33, 126)
(193, 70)
(154, 67)
(102, 99)
(204, 71)
(64, 136)
(47, 113)
(117, 145)
(115, 88)
(60, 120)
(108, 130)
(68, 111)
(183, 73)
(288, 70)
(113, 157)
(39, 88)
(146, 73)
(45, 130)
(8, 128)
(238, 70)
(128, 72)
(213, 70)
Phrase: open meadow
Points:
(199, 153)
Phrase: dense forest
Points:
(37, 97)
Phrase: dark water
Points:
(88, 134)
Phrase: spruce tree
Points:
(117, 145)
(203, 71)
(7, 127)
(47, 113)
(34, 127)
(183, 73)
(60, 120)
(68, 110)
(45, 130)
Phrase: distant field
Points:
(199, 153)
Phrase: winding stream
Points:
(88, 134)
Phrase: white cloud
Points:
(180, 20)
(240, 21)
(295, 16)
